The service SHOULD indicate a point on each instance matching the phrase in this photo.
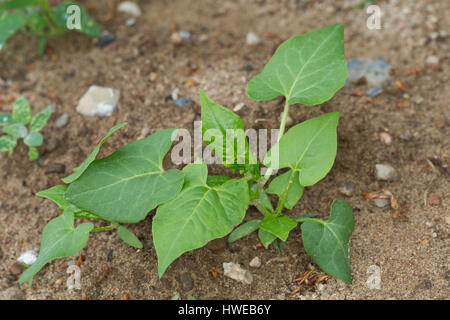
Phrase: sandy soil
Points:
(412, 249)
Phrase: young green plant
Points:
(14, 128)
(45, 21)
(192, 207)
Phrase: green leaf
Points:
(21, 111)
(266, 237)
(309, 148)
(58, 195)
(219, 125)
(262, 196)
(16, 4)
(306, 69)
(59, 239)
(244, 230)
(197, 215)
(33, 139)
(40, 120)
(87, 24)
(278, 226)
(215, 181)
(327, 242)
(290, 183)
(126, 185)
(33, 154)
(78, 171)
(7, 143)
(9, 23)
(16, 130)
(129, 237)
(5, 118)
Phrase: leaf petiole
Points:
(112, 226)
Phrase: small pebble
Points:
(153, 76)
(62, 120)
(238, 107)
(186, 282)
(381, 203)
(144, 132)
(55, 168)
(236, 272)
(447, 219)
(16, 268)
(432, 61)
(429, 224)
(347, 188)
(182, 101)
(255, 263)
(29, 257)
(176, 38)
(129, 7)
(252, 39)
(406, 136)
(385, 172)
(105, 39)
(99, 101)
(130, 22)
(434, 200)
(385, 138)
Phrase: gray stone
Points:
(186, 282)
(381, 203)
(236, 272)
(255, 263)
(347, 188)
(385, 172)
(252, 39)
(129, 7)
(98, 101)
(62, 120)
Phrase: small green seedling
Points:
(14, 127)
(38, 17)
(193, 208)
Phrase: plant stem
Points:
(301, 220)
(280, 134)
(113, 226)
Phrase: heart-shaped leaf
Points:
(59, 239)
(306, 69)
(327, 242)
(126, 185)
(309, 148)
(278, 226)
(198, 214)
(78, 171)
